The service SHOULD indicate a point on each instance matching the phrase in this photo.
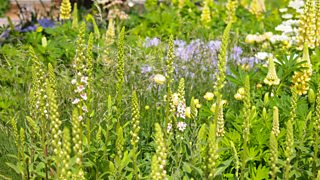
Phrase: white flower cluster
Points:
(288, 28)
(80, 90)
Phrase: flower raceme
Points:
(65, 10)
(271, 78)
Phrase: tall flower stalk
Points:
(316, 131)
(248, 114)
(65, 172)
(120, 69)
(212, 151)
(38, 102)
(307, 26)
(65, 10)
(54, 117)
(273, 156)
(221, 73)
(169, 76)
(135, 131)
(77, 137)
(159, 160)
(290, 137)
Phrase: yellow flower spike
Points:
(257, 7)
(317, 22)
(307, 25)
(208, 96)
(231, 11)
(206, 14)
(65, 10)
(301, 79)
(110, 34)
(271, 78)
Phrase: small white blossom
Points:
(282, 10)
(296, 4)
(84, 108)
(84, 96)
(262, 55)
(76, 101)
(181, 126)
(84, 79)
(73, 81)
(287, 16)
(80, 88)
(181, 108)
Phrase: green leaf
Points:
(186, 168)
(17, 168)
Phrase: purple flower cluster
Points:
(152, 42)
(44, 23)
(196, 57)
(146, 69)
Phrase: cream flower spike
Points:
(271, 78)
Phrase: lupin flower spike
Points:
(135, 120)
(257, 7)
(120, 67)
(65, 10)
(159, 161)
(317, 23)
(206, 14)
(65, 172)
(271, 78)
(317, 110)
(220, 122)
(307, 26)
(110, 34)
(231, 10)
(273, 156)
(212, 151)
(289, 149)
(275, 123)
(301, 79)
(75, 16)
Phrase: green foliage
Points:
(4, 7)
(160, 131)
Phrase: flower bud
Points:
(311, 96)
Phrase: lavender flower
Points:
(29, 28)
(152, 42)
(214, 46)
(251, 61)
(46, 23)
(237, 51)
(146, 69)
